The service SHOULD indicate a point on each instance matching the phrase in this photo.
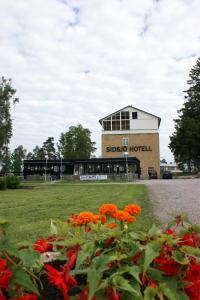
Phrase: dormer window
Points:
(134, 115)
(118, 121)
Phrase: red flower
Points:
(169, 266)
(72, 254)
(109, 242)
(43, 245)
(84, 295)
(192, 289)
(98, 253)
(188, 240)
(28, 297)
(169, 231)
(135, 258)
(112, 294)
(61, 279)
(5, 274)
(152, 284)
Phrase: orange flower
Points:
(99, 218)
(111, 225)
(84, 218)
(132, 209)
(124, 216)
(108, 209)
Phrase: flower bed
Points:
(101, 257)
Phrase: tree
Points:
(163, 161)
(76, 143)
(18, 155)
(38, 153)
(6, 99)
(185, 141)
(49, 148)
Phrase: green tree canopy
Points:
(38, 153)
(185, 141)
(7, 98)
(49, 148)
(76, 143)
(17, 157)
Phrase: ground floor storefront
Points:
(83, 169)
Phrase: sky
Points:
(76, 61)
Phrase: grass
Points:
(29, 210)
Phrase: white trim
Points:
(136, 131)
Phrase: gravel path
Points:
(179, 195)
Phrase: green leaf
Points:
(180, 257)
(152, 250)
(150, 293)
(123, 284)
(153, 231)
(135, 272)
(132, 270)
(94, 277)
(87, 250)
(196, 227)
(181, 296)
(167, 291)
(101, 262)
(29, 257)
(8, 246)
(140, 235)
(53, 228)
(20, 277)
(190, 251)
(155, 274)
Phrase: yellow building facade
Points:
(131, 132)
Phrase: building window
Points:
(134, 115)
(125, 124)
(118, 121)
(125, 141)
(107, 125)
(115, 125)
(125, 115)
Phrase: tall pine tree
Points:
(185, 142)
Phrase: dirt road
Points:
(179, 195)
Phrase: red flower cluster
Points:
(165, 263)
(26, 297)
(5, 274)
(43, 245)
(112, 294)
(192, 289)
(72, 254)
(62, 279)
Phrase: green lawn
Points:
(30, 210)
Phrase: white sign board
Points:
(93, 177)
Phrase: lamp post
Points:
(45, 174)
(1, 166)
(61, 167)
(126, 156)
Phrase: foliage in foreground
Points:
(10, 182)
(99, 257)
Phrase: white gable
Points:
(140, 122)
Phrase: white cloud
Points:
(77, 61)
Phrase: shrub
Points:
(101, 257)
(2, 183)
(12, 182)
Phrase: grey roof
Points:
(159, 119)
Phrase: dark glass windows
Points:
(118, 121)
(134, 115)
